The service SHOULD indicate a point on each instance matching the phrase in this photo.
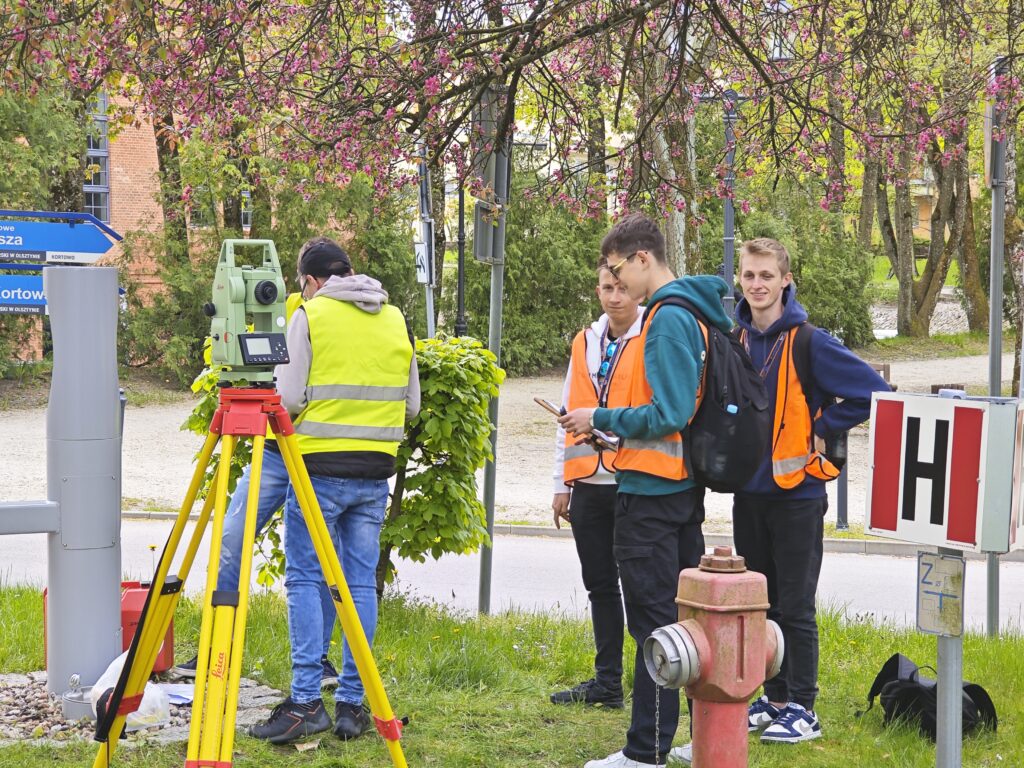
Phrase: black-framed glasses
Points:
(606, 363)
(614, 269)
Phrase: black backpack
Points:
(730, 434)
(908, 696)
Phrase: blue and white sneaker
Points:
(761, 714)
(793, 725)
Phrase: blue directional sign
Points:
(22, 295)
(81, 240)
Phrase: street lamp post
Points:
(460, 316)
(730, 99)
(729, 117)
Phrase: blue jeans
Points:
(353, 509)
(273, 489)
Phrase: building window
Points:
(97, 162)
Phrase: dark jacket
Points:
(838, 373)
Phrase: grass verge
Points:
(476, 690)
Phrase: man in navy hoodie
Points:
(778, 518)
(659, 509)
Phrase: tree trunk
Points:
(597, 141)
(868, 197)
(904, 231)
(975, 294)
(836, 158)
(1013, 247)
(693, 231)
(395, 511)
(175, 231)
(675, 217)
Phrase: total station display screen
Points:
(258, 346)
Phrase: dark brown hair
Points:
(631, 233)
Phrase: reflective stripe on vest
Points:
(358, 379)
(793, 455)
(664, 457)
(582, 461)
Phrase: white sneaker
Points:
(618, 760)
(681, 755)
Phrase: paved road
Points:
(542, 574)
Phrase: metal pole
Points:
(729, 233)
(502, 184)
(949, 710)
(427, 232)
(83, 468)
(995, 316)
(460, 316)
(842, 500)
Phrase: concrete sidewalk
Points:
(541, 573)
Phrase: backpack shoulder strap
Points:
(890, 672)
(678, 301)
(981, 699)
(802, 356)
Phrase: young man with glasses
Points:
(659, 509)
(599, 374)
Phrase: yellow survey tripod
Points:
(242, 411)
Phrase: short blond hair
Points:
(766, 246)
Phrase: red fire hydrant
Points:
(722, 649)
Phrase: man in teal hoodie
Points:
(660, 509)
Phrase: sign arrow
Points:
(78, 242)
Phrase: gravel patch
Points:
(29, 714)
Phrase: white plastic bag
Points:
(155, 709)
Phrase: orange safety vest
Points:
(661, 457)
(583, 460)
(793, 454)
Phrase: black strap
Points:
(802, 356)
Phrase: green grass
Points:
(885, 288)
(880, 271)
(476, 692)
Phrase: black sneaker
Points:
(329, 679)
(290, 721)
(351, 720)
(590, 692)
(188, 669)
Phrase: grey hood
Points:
(361, 290)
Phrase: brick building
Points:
(122, 191)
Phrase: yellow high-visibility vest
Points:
(358, 379)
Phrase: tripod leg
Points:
(242, 611)
(215, 707)
(161, 602)
(387, 724)
(197, 732)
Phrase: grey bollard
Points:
(83, 467)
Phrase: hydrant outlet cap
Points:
(723, 561)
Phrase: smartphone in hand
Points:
(547, 405)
